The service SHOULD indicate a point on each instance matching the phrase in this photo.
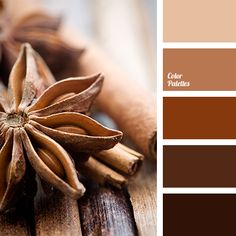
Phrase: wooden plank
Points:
(15, 221)
(56, 215)
(106, 211)
(142, 192)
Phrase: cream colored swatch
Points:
(199, 21)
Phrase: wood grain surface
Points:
(56, 215)
(106, 211)
(142, 192)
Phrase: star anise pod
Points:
(42, 123)
(41, 31)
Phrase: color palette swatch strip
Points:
(199, 101)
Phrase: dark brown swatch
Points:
(201, 69)
(199, 166)
(199, 117)
(199, 214)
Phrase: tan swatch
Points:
(199, 20)
(199, 69)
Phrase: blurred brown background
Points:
(125, 29)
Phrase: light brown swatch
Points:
(201, 69)
(199, 20)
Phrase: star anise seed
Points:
(42, 121)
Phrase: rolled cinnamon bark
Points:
(132, 107)
(121, 158)
(100, 173)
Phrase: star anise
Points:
(41, 122)
(41, 31)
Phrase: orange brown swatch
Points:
(199, 117)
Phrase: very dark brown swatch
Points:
(199, 117)
(199, 166)
(199, 214)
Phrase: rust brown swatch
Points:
(199, 166)
(199, 214)
(199, 69)
(199, 117)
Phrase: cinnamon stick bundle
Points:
(121, 158)
(126, 102)
(102, 174)
(122, 162)
(132, 107)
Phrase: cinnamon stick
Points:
(121, 158)
(100, 173)
(111, 166)
(132, 107)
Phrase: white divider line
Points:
(199, 93)
(216, 142)
(200, 45)
(160, 118)
(199, 190)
